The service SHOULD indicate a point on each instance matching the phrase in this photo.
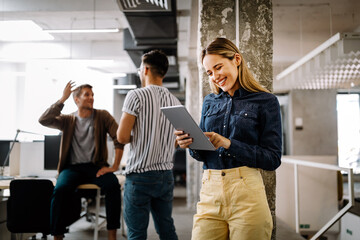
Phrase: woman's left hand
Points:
(217, 140)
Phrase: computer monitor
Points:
(51, 151)
(4, 150)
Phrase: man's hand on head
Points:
(67, 91)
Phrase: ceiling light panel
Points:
(22, 30)
(105, 30)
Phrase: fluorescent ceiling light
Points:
(106, 30)
(172, 60)
(131, 86)
(118, 74)
(171, 84)
(22, 30)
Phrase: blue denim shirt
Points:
(251, 121)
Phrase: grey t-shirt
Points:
(83, 142)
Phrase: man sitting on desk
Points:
(83, 156)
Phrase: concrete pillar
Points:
(193, 104)
(256, 45)
(193, 167)
(218, 19)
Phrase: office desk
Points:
(5, 184)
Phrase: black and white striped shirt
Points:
(152, 144)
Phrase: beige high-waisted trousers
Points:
(232, 206)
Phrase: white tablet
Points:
(182, 120)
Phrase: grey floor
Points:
(83, 230)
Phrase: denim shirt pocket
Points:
(213, 110)
(212, 118)
(247, 114)
(246, 121)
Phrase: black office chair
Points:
(28, 207)
(179, 169)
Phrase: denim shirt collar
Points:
(241, 92)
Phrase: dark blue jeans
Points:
(149, 192)
(66, 184)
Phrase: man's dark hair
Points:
(157, 61)
(77, 91)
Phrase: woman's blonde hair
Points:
(227, 49)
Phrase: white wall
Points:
(317, 109)
(9, 99)
(24, 99)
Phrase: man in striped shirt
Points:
(149, 180)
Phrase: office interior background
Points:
(315, 74)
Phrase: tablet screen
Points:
(181, 119)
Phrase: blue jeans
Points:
(66, 184)
(149, 192)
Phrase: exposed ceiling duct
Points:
(144, 5)
(335, 64)
(152, 26)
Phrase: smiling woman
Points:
(222, 51)
(223, 72)
(247, 138)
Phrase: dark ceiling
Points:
(151, 26)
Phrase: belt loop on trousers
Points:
(239, 171)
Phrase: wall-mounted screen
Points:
(4, 149)
(52, 147)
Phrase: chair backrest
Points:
(28, 207)
(179, 159)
